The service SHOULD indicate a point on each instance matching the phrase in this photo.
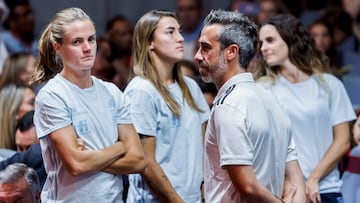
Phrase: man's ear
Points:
(232, 52)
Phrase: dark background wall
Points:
(102, 10)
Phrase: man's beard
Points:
(220, 69)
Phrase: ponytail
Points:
(49, 63)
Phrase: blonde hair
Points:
(144, 65)
(49, 63)
(11, 97)
(14, 65)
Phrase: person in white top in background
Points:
(297, 73)
(190, 14)
(75, 105)
(250, 155)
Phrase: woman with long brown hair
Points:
(169, 113)
(297, 73)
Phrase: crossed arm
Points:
(133, 161)
(78, 161)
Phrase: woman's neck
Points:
(81, 80)
(165, 70)
(293, 74)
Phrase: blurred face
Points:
(102, 66)
(210, 58)
(267, 10)
(187, 71)
(25, 139)
(78, 48)
(120, 35)
(30, 68)
(352, 7)
(356, 131)
(167, 43)
(235, 4)
(18, 192)
(321, 36)
(189, 14)
(24, 20)
(339, 36)
(27, 103)
(273, 48)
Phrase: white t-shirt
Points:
(246, 127)
(314, 107)
(179, 148)
(94, 114)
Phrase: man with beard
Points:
(249, 152)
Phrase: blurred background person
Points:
(312, 10)
(250, 8)
(188, 68)
(209, 91)
(269, 8)
(352, 52)
(4, 11)
(352, 7)
(15, 101)
(18, 69)
(119, 33)
(357, 27)
(116, 61)
(28, 147)
(19, 35)
(190, 14)
(102, 68)
(348, 47)
(322, 32)
(19, 183)
(341, 21)
(25, 134)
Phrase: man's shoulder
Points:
(237, 94)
